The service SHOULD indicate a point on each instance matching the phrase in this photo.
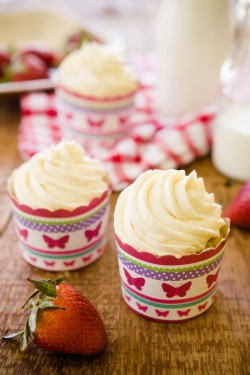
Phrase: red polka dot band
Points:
(62, 240)
(168, 289)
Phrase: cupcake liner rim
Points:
(171, 259)
(94, 99)
(61, 212)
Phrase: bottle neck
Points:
(235, 72)
(243, 23)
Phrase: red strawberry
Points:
(5, 58)
(238, 210)
(28, 67)
(78, 38)
(62, 320)
(57, 59)
(38, 48)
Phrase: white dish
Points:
(26, 86)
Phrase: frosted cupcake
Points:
(60, 203)
(170, 236)
(95, 95)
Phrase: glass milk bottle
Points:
(192, 42)
(231, 128)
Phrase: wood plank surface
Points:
(217, 342)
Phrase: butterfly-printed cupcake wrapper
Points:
(62, 240)
(94, 121)
(168, 289)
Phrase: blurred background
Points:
(130, 20)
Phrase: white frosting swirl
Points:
(167, 213)
(61, 177)
(96, 71)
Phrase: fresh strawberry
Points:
(57, 59)
(38, 48)
(5, 58)
(27, 67)
(239, 209)
(79, 37)
(62, 320)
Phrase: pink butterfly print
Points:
(183, 313)
(127, 297)
(69, 264)
(202, 307)
(212, 278)
(91, 233)
(123, 120)
(33, 259)
(60, 242)
(138, 282)
(95, 123)
(23, 233)
(172, 291)
(87, 259)
(141, 307)
(162, 313)
(49, 264)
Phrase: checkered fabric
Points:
(150, 143)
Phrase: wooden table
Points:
(214, 343)
(217, 342)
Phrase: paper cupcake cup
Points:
(62, 240)
(165, 288)
(93, 120)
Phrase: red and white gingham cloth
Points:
(151, 142)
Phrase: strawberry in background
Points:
(38, 48)
(79, 37)
(43, 51)
(27, 67)
(5, 58)
(238, 210)
(34, 60)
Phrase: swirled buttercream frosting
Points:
(168, 213)
(96, 71)
(61, 177)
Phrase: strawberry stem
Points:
(12, 335)
(33, 294)
(62, 277)
(26, 335)
(46, 287)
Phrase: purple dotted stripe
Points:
(61, 228)
(170, 276)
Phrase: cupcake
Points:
(95, 95)
(170, 236)
(60, 204)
